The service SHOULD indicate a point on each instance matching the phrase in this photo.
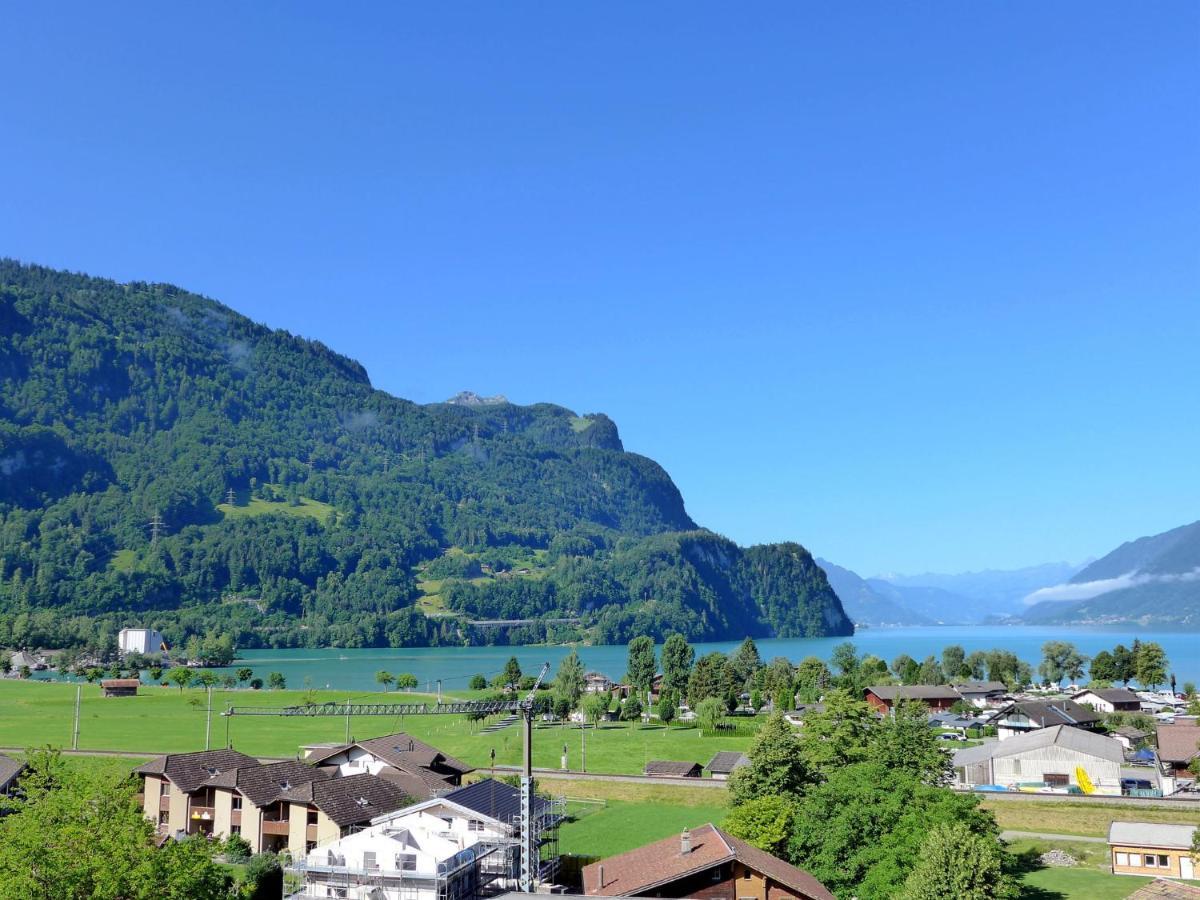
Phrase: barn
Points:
(1046, 759)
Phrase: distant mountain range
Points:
(966, 598)
(1152, 581)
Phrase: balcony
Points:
(276, 826)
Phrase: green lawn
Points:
(164, 719)
(1090, 880)
(245, 505)
(620, 825)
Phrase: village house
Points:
(663, 768)
(597, 683)
(1024, 716)
(705, 862)
(1178, 745)
(725, 763)
(884, 697)
(455, 846)
(982, 693)
(418, 769)
(1145, 848)
(119, 687)
(1046, 759)
(23, 659)
(1109, 700)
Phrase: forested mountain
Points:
(1150, 581)
(166, 461)
(864, 604)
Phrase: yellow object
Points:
(1085, 783)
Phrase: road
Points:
(1045, 836)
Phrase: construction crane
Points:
(453, 708)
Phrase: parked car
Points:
(1135, 784)
(951, 736)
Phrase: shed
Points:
(119, 687)
(663, 768)
(1049, 759)
(883, 697)
(723, 764)
(1152, 848)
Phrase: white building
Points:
(982, 693)
(140, 640)
(444, 848)
(1049, 759)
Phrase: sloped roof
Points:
(1178, 743)
(189, 771)
(980, 687)
(9, 770)
(642, 870)
(120, 683)
(726, 761)
(263, 784)
(671, 767)
(403, 751)
(1151, 834)
(494, 799)
(1077, 739)
(1112, 695)
(354, 799)
(894, 692)
(1160, 888)
(1050, 712)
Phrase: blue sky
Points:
(918, 286)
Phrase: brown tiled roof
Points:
(1160, 888)
(649, 867)
(356, 799)
(670, 767)
(893, 692)
(9, 769)
(189, 771)
(420, 786)
(264, 784)
(1178, 743)
(404, 751)
(120, 683)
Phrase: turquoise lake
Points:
(354, 670)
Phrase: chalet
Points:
(662, 768)
(725, 763)
(982, 693)
(1109, 700)
(418, 769)
(1178, 745)
(1046, 759)
(937, 697)
(705, 862)
(1030, 715)
(23, 659)
(119, 687)
(597, 683)
(1144, 848)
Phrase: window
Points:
(337, 892)
(236, 802)
(716, 874)
(166, 788)
(1163, 862)
(474, 825)
(406, 862)
(1122, 859)
(312, 817)
(1056, 779)
(1151, 862)
(369, 860)
(235, 829)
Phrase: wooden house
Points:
(884, 697)
(119, 687)
(663, 768)
(1146, 848)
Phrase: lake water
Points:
(354, 670)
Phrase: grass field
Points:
(164, 719)
(1083, 818)
(245, 505)
(621, 825)
(1090, 880)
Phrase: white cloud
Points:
(1086, 590)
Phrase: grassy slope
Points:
(163, 719)
(1090, 880)
(1083, 818)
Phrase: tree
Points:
(207, 679)
(385, 678)
(860, 832)
(845, 658)
(276, 681)
(777, 767)
(1150, 665)
(244, 674)
(779, 676)
(904, 742)
(595, 707)
(477, 683)
(709, 713)
(568, 682)
(957, 862)
(677, 656)
(906, 669)
(256, 684)
(976, 661)
(512, 675)
(184, 870)
(766, 822)
(744, 662)
(1124, 669)
(1061, 660)
(812, 679)
(931, 672)
(180, 676)
(1104, 667)
(709, 678)
(838, 735)
(264, 878)
(237, 849)
(953, 660)
(668, 703)
(631, 709)
(642, 666)
(406, 681)
(156, 673)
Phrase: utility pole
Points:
(75, 727)
(439, 690)
(230, 497)
(208, 721)
(157, 526)
(583, 747)
(347, 720)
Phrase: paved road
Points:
(1044, 836)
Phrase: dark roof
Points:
(1051, 712)
(649, 867)
(264, 784)
(1112, 695)
(669, 767)
(120, 683)
(189, 771)
(726, 761)
(981, 687)
(1178, 743)
(893, 692)
(406, 753)
(354, 799)
(9, 770)
(494, 799)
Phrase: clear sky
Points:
(917, 285)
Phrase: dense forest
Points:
(165, 461)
